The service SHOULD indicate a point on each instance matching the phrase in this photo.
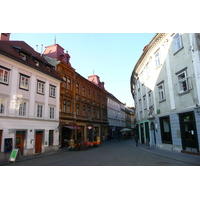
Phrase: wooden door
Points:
(20, 141)
(38, 142)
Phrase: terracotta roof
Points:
(12, 49)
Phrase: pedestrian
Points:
(119, 136)
(136, 140)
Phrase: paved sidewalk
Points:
(188, 158)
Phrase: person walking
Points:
(136, 140)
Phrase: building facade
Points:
(116, 116)
(29, 99)
(165, 87)
(83, 102)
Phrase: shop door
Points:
(20, 141)
(147, 131)
(38, 142)
(142, 133)
(188, 131)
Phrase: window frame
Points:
(161, 91)
(2, 105)
(157, 59)
(68, 83)
(64, 105)
(68, 106)
(176, 42)
(22, 112)
(40, 90)
(3, 77)
(51, 113)
(180, 81)
(52, 91)
(40, 109)
(22, 84)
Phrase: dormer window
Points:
(22, 56)
(37, 63)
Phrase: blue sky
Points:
(111, 56)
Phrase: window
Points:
(177, 42)
(4, 74)
(89, 94)
(40, 88)
(157, 59)
(77, 88)
(52, 92)
(51, 116)
(39, 111)
(2, 105)
(165, 130)
(89, 111)
(83, 109)
(150, 98)
(64, 81)
(22, 56)
(69, 84)
(161, 92)
(77, 108)
(68, 106)
(51, 137)
(83, 91)
(182, 82)
(93, 96)
(24, 82)
(37, 63)
(64, 105)
(22, 108)
(144, 102)
(140, 105)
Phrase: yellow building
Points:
(83, 102)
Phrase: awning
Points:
(72, 127)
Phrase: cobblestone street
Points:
(111, 153)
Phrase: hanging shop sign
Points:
(89, 127)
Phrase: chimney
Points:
(5, 36)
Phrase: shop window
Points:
(165, 130)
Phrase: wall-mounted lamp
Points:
(197, 109)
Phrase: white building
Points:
(165, 84)
(116, 115)
(29, 100)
